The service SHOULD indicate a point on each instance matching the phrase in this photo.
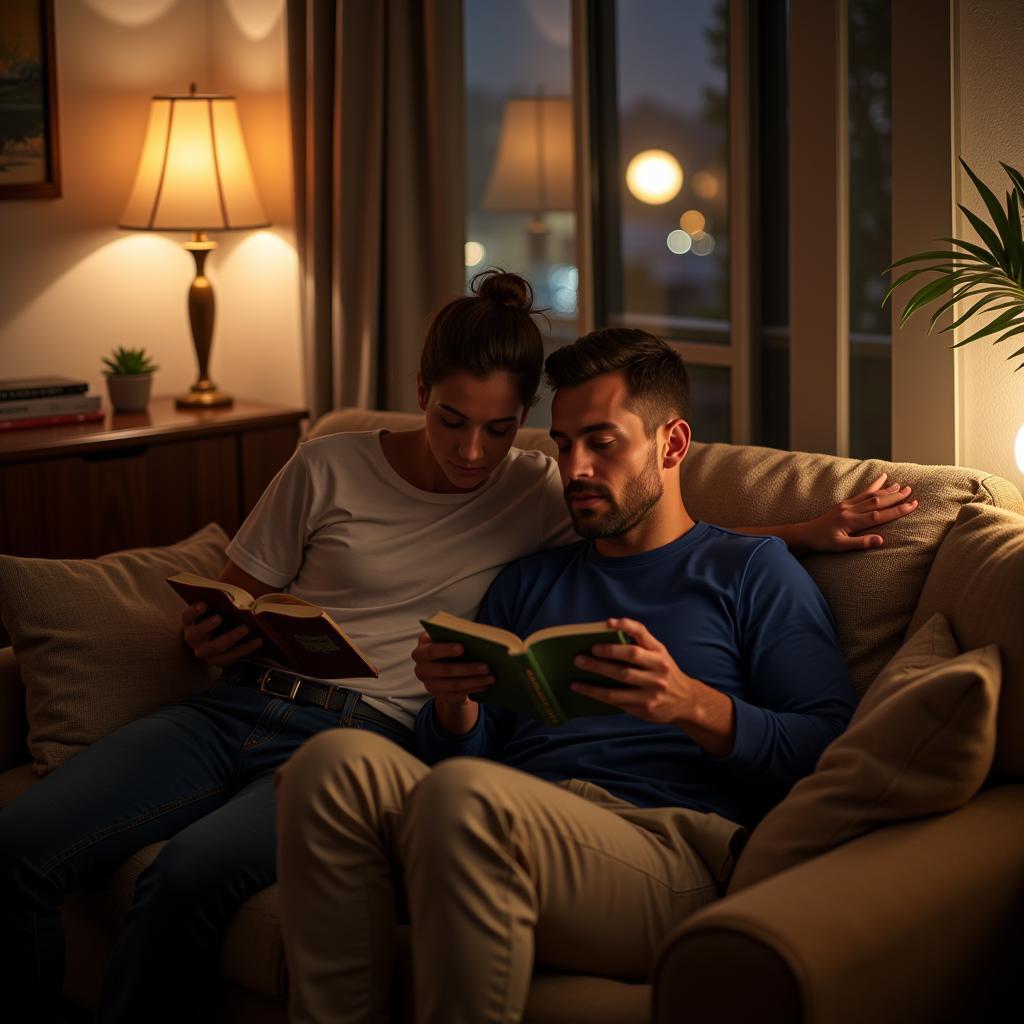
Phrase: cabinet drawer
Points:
(85, 505)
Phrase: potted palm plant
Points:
(989, 275)
(129, 376)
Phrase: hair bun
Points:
(505, 288)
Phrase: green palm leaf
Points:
(992, 327)
(995, 210)
(987, 235)
(985, 257)
(989, 274)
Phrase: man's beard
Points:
(639, 496)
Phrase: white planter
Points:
(129, 392)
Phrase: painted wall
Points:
(990, 115)
(72, 285)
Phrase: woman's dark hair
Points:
(659, 385)
(487, 332)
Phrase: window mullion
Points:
(818, 227)
(740, 219)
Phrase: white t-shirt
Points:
(339, 527)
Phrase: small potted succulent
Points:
(129, 376)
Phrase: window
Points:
(661, 109)
(519, 148)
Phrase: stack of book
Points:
(46, 402)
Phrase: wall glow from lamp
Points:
(654, 176)
(194, 175)
(1018, 449)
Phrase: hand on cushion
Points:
(842, 527)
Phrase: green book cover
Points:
(532, 675)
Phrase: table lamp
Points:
(533, 169)
(194, 175)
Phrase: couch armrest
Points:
(909, 924)
(13, 723)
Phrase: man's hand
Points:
(842, 527)
(198, 628)
(657, 689)
(450, 683)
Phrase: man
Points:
(577, 846)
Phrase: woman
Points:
(380, 528)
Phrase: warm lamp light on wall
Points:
(194, 175)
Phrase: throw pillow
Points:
(98, 641)
(920, 742)
(977, 582)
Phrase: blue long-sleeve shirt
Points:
(738, 613)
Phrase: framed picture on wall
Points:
(29, 150)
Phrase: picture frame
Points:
(29, 137)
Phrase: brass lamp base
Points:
(197, 399)
(204, 393)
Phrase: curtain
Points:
(376, 99)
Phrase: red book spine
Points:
(52, 421)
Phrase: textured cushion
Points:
(977, 582)
(873, 593)
(99, 640)
(920, 742)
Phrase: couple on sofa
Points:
(526, 840)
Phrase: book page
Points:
(502, 637)
(577, 629)
(287, 604)
(238, 596)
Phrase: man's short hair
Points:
(656, 376)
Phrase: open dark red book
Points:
(296, 635)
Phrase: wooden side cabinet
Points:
(138, 479)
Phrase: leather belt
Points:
(285, 686)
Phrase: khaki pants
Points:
(501, 869)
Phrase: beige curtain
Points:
(377, 134)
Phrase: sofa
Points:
(916, 920)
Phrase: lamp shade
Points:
(533, 170)
(194, 172)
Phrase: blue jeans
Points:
(198, 774)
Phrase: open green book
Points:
(532, 676)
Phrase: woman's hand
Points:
(198, 629)
(450, 683)
(842, 527)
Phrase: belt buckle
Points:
(266, 678)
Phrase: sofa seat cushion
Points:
(921, 742)
(977, 582)
(98, 641)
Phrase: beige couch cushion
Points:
(920, 742)
(872, 594)
(98, 641)
(977, 582)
